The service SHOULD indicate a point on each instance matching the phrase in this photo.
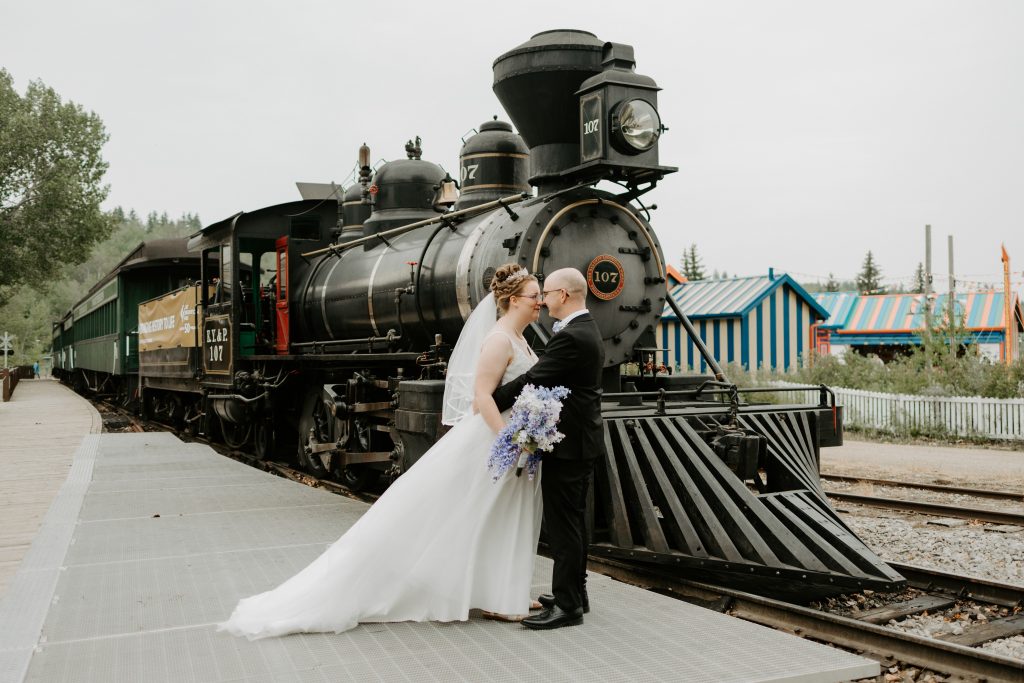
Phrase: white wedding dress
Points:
(443, 539)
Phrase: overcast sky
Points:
(806, 132)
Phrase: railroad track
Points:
(970, 587)
(977, 493)
(926, 508)
(886, 645)
(116, 418)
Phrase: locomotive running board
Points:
(663, 496)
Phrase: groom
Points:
(574, 358)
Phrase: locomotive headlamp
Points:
(635, 126)
(619, 122)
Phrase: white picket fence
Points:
(971, 416)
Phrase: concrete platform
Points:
(41, 427)
(152, 541)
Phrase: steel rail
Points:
(977, 493)
(504, 202)
(935, 509)
(968, 587)
(878, 641)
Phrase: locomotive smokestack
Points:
(536, 84)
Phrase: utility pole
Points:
(1009, 343)
(927, 334)
(928, 277)
(953, 341)
(927, 260)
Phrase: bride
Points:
(445, 537)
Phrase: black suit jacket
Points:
(574, 358)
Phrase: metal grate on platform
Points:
(137, 598)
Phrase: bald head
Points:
(569, 279)
(567, 292)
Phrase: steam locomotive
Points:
(322, 327)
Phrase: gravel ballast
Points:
(967, 550)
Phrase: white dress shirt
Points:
(560, 324)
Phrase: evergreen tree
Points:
(919, 280)
(831, 285)
(693, 267)
(869, 279)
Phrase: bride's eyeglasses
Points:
(535, 297)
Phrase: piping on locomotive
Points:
(328, 338)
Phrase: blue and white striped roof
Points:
(839, 305)
(732, 297)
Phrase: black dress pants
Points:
(564, 484)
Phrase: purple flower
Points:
(531, 430)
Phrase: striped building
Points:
(761, 322)
(871, 322)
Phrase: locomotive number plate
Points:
(217, 345)
(605, 277)
(591, 135)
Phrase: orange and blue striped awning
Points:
(905, 313)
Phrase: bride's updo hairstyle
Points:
(509, 280)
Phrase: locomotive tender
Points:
(328, 338)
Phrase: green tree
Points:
(51, 174)
(919, 280)
(831, 285)
(869, 279)
(31, 309)
(693, 266)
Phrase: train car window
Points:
(245, 268)
(227, 279)
(267, 268)
(305, 228)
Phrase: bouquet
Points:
(531, 429)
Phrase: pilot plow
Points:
(728, 495)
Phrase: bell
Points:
(447, 193)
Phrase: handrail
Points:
(504, 202)
(698, 341)
(657, 393)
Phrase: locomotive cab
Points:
(243, 322)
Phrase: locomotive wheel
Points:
(191, 420)
(265, 439)
(235, 435)
(312, 423)
(358, 477)
(176, 411)
(146, 406)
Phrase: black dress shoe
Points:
(554, 617)
(547, 600)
